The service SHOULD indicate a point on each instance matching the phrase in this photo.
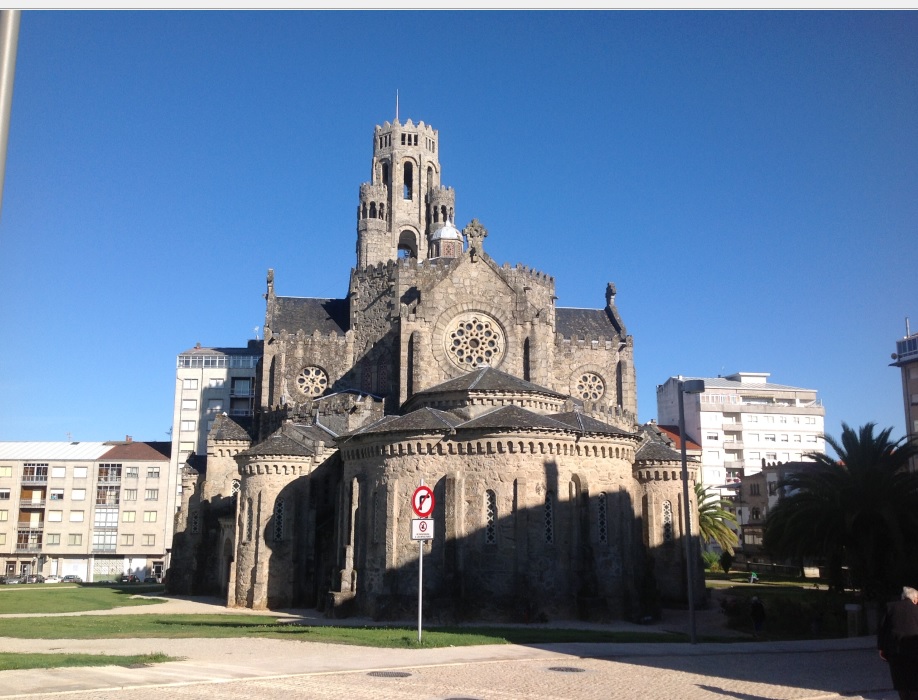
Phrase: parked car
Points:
(151, 579)
(53, 579)
(13, 579)
(129, 578)
(71, 578)
(35, 578)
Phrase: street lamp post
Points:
(690, 386)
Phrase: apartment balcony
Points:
(241, 412)
(29, 526)
(242, 393)
(30, 547)
(34, 479)
(32, 504)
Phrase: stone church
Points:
(444, 367)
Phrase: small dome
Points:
(447, 232)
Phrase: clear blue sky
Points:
(749, 180)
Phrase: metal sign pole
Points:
(420, 580)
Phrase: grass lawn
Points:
(13, 662)
(217, 626)
(58, 598)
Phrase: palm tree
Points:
(859, 511)
(712, 519)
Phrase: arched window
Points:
(408, 181)
(602, 520)
(279, 520)
(385, 174)
(249, 520)
(549, 517)
(490, 517)
(235, 487)
(667, 521)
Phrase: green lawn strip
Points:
(13, 662)
(222, 626)
(47, 598)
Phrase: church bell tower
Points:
(403, 204)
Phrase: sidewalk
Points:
(683, 670)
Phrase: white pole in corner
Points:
(420, 580)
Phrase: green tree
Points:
(712, 519)
(858, 511)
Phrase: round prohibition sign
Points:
(422, 501)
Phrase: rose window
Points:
(590, 387)
(312, 381)
(474, 339)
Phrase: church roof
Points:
(278, 443)
(485, 379)
(309, 315)
(226, 428)
(593, 323)
(656, 446)
(586, 424)
(513, 417)
(423, 420)
(139, 451)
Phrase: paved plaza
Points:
(270, 668)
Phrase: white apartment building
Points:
(93, 509)
(743, 421)
(208, 382)
(906, 359)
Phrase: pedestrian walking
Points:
(757, 610)
(897, 641)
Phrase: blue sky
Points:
(747, 179)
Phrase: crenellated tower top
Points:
(404, 203)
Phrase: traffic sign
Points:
(423, 501)
(422, 529)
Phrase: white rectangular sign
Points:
(422, 529)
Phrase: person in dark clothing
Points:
(757, 609)
(897, 641)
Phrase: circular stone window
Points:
(312, 381)
(589, 386)
(474, 339)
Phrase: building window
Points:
(756, 514)
(712, 436)
(753, 489)
(186, 447)
(108, 495)
(76, 516)
(76, 539)
(6, 471)
(375, 516)
(130, 494)
(127, 540)
(132, 472)
(152, 472)
(78, 495)
(752, 419)
(189, 383)
(772, 488)
(603, 521)
(811, 438)
(4, 516)
(4, 494)
(128, 516)
(188, 426)
(109, 473)
(769, 437)
(149, 516)
(784, 438)
(151, 495)
(149, 540)
(195, 522)
(104, 541)
(667, 521)
(55, 516)
(58, 472)
(214, 405)
(80, 472)
(216, 383)
(56, 495)
(235, 488)
(189, 404)
(810, 420)
(490, 517)
(52, 538)
(549, 518)
(249, 521)
(279, 520)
